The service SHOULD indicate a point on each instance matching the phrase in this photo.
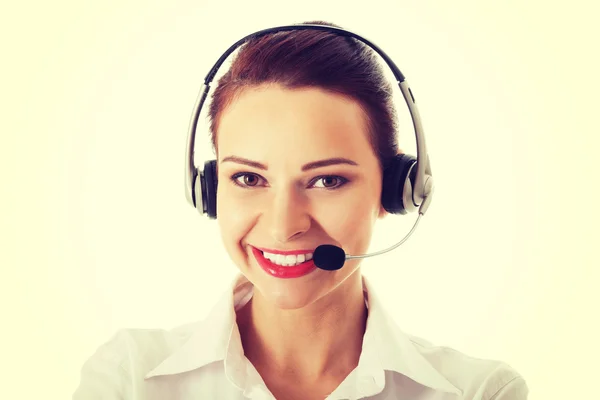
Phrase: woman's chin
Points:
(285, 294)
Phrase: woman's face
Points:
(283, 206)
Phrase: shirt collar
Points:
(217, 339)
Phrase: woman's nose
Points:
(288, 215)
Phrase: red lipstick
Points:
(285, 253)
(283, 272)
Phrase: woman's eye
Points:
(248, 179)
(251, 180)
(331, 181)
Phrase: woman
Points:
(303, 126)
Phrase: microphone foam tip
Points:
(329, 257)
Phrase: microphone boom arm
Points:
(392, 247)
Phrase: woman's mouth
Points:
(289, 266)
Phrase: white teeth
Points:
(289, 260)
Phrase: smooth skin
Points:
(303, 333)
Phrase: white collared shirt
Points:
(205, 360)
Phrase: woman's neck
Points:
(320, 341)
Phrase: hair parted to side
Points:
(311, 58)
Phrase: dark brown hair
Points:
(311, 58)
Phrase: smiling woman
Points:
(304, 131)
(287, 206)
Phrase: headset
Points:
(407, 181)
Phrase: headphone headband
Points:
(301, 27)
(423, 186)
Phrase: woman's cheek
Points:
(236, 213)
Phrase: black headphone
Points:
(407, 182)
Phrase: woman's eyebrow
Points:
(311, 165)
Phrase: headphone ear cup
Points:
(395, 177)
(209, 195)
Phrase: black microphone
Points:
(331, 258)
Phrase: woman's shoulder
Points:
(126, 357)
(486, 377)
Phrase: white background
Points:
(96, 234)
